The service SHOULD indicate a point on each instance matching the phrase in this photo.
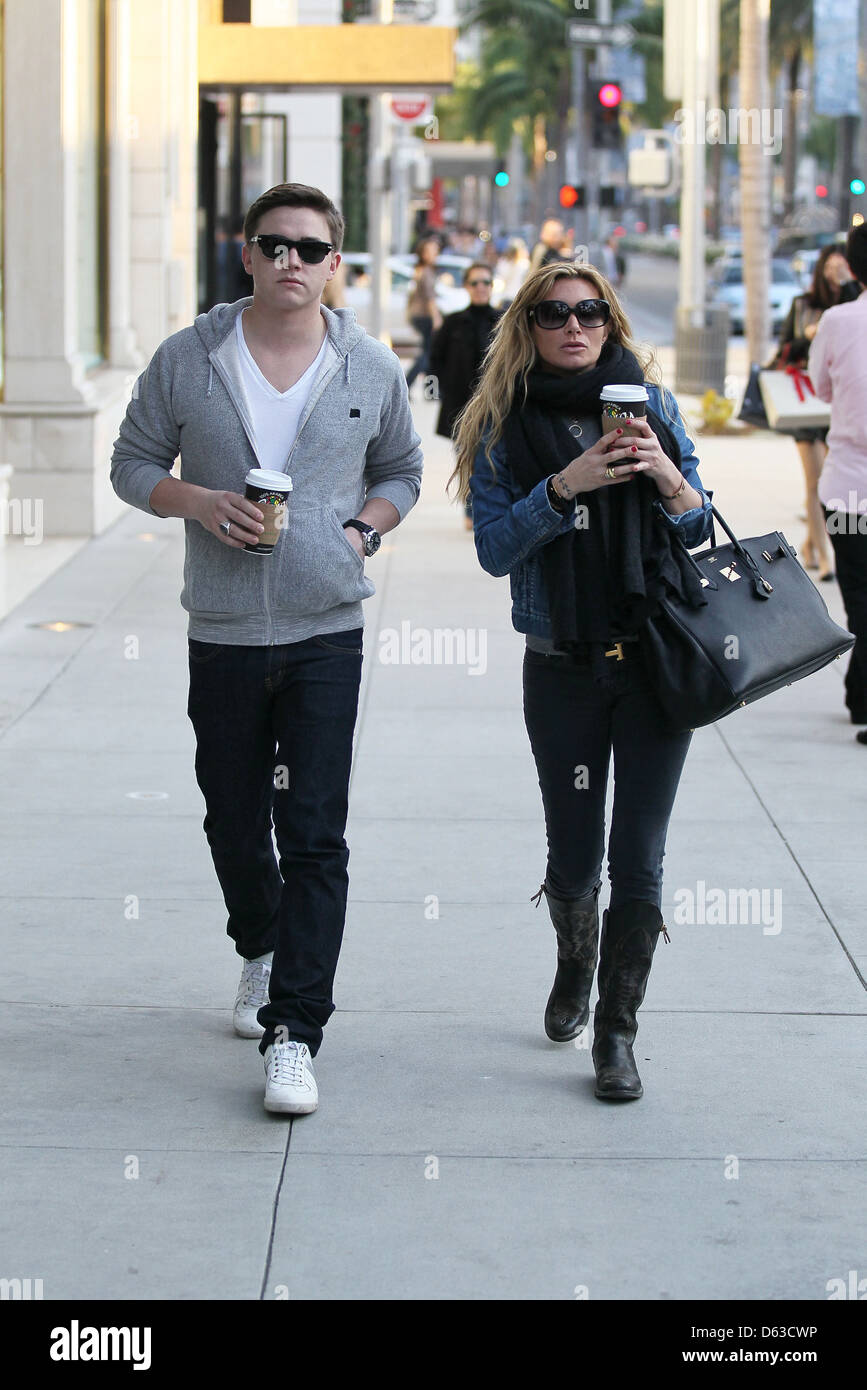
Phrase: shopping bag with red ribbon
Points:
(791, 402)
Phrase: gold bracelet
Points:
(670, 497)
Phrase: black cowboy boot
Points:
(576, 922)
(629, 937)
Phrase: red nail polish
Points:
(620, 431)
(635, 449)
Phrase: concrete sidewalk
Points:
(456, 1153)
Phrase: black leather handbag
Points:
(764, 626)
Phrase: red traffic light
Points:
(821, 191)
(572, 195)
(610, 94)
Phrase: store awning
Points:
(332, 58)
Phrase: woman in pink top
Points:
(838, 371)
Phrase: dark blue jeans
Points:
(423, 325)
(575, 722)
(274, 730)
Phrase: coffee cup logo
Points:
(270, 492)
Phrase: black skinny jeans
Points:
(274, 732)
(575, 721)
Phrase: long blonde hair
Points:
(512, 353)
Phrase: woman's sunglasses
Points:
(554, 313)
(271, 244)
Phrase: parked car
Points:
(450, 293)
(803, 264)
(729, 289)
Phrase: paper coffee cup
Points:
(619, 405)
(270, 492)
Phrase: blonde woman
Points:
(584, 525)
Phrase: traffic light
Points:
(571, 195)
(857, 186)
(607, 134)
(501, 178)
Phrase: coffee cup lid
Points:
(269, 478)
(624, 393)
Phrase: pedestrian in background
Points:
(614, 261)
(421, 307)
(510, 272)
(457, 350)
(832, 284)
(583, 580)
(549, 248)
(838, 370)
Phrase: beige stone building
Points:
(99, 233)
(104, 243)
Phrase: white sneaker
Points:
(252, 995)
(290, 1086)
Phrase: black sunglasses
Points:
(471, 284)
(312, 252)
(554, 313)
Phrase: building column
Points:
(41, 245)
(122, 129)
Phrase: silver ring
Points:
(225, 526)
(609, 472)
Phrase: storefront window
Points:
(92, 249)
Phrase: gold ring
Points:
(609, 472)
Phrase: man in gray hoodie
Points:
(277, 382)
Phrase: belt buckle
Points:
(616, 650)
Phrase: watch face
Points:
(372, 542)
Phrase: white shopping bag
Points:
(790, 401)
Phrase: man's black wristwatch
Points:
(371, 540)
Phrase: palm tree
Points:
(791, 33)
(523, 83)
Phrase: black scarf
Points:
(605, 578)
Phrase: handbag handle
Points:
(761, 585)
(763, 589)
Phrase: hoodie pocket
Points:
(317, 568)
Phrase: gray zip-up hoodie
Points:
(355, 440)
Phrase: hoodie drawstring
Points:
(210, 378)
(346, 361)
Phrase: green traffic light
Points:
(501, 179)
(857, 186)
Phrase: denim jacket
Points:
(510, 527)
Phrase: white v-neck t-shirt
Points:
(275, 414)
